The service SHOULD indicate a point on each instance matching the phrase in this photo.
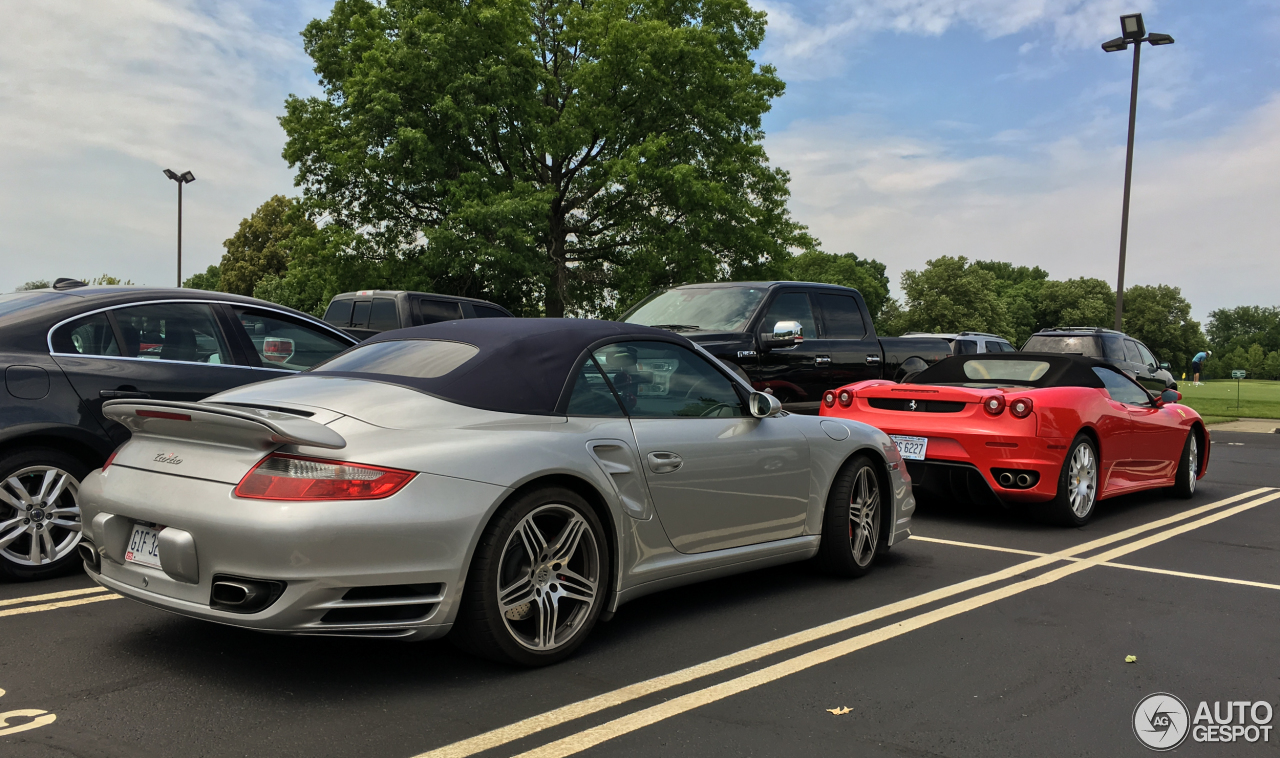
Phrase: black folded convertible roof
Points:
(1065, 369)
(522, 364)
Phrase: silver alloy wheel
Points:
(548, 577)
(39, 515)
(1193, 462)
(1082, 480)
(864, 516)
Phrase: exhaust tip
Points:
(1006, 479)
(240, 595)
(1024, 480)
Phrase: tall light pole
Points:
(187, 177)
(1133, 30)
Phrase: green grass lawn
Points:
(1216, 400)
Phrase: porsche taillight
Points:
(845, 398)
(111, 458)
(994, 405)
(1021, 408)
(829, 399)
(291, 477)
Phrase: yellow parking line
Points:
(588, 738)
(55, 606)
(534, 724)
(52, 596)
(1108, 564)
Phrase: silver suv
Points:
(968, 343)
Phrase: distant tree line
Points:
(1246, 337)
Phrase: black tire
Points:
(1063, 509)
(516, 635)
(1184, 483)
(28, 468)
(844, 550)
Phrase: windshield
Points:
(426, 359)
(1087, 346)
(16, 301)
(718, 309)
(1005, 371)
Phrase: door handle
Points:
(873, 359)
(822, 360)
(122, 394)
(664, 463)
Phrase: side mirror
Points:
(763, 405)
(784, 334)
(1170, 396)
(1164, 365)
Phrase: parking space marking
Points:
(588, 738)
(52, 596)
(1108, 564)
(55, 606)
(582, 708)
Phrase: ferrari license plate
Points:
(144, 546)
(912, 448)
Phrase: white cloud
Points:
(813, 48)
(1202, 217)
(98, 97)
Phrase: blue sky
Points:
(911, 128)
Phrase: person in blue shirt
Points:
(1197, 363)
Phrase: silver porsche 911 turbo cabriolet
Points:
(509, 480)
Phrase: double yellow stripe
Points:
(97, 593)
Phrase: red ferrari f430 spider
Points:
(1059, 432)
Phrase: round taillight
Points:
(829, 399)
(1021, 407)
(994, 405)
(846, 398)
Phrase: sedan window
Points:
(1121, 388)
(1131, 352)
(185, 332)
(1147, 357)
(661, 380)
(91, 335)
(285, 343)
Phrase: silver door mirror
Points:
(763, 405)
(785, 334)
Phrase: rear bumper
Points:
(422, 537)
(971, 442)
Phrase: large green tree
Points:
(1161, 317)
(1076, 302)
(570, 155)
(261, 245)
(1019, 289)
(952, 295)
(848, 270)
(1244, 326)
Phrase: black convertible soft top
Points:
(1065, 370)
(522, 365)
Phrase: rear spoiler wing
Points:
(220, 424)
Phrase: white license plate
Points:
(912, 448)
(144, 546)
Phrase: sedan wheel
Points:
(538, 581)
(39, 514)
(852, 521)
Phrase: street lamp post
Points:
(185, 177)
(1133, 30)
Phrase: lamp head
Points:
(1132, 28)
(171, 174)
(1159, 39)
(187, 177)
(1116, 45)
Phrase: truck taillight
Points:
(291, 477)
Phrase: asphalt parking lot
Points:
(986, 634)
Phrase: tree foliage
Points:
(951, 295)
(848, 270)
(1242, 327)
(558, 156)
(261, 245)
(1160, 317)
(37, 284)
(206, 280)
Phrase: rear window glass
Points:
(384, 316)
(339, 313)
(1005, 371)
(425, 359)
(1050, 343)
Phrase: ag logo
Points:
(1160, 721)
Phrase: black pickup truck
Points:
(795, 339)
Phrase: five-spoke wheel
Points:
(852, 521)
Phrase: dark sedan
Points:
(64, 351)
